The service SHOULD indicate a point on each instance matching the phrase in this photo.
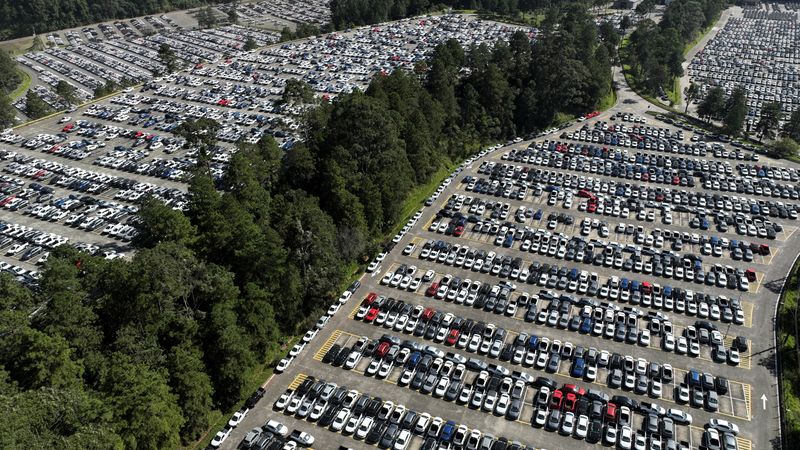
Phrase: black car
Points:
(375, 433)
(254, 398)
(331, 354)
(389, 436)
(595, 432)
(409, 420)
(327, 417)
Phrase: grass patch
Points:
(608, 101)
(256, 378)
(23, 85)
(674, 94)
(17, 46)
(416, 198)
(789, 358)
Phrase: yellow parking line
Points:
(744, 444)
(747, 309)
(298, 380)
(352, 314)
(747, 395)
(327, 345)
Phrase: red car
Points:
(556, 399)
(571, 401)
(458, 231)
(370, 298)
(427, 314)
(452, 337)
(431, 291)
(750, 274)
(371, 314)
(380, 352)
(611, 412)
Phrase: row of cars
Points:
(753, 51)
(382, 423)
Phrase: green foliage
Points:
(791, 128)
(302, 30)
(206, 17)
(67, 92)
(9, 76)
(250, 44)
(154, 343)
(785, 148)
(7, 112)
(655, 53)
(771, 116)
(692, 94)
(168, 57)
(713, 105)
(735, 111)
(35, 107)
(296, 91)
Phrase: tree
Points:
(233, 16)
(713, 105)
(784, 148)
(296, 91)
(67, 92)
(625, 23)
(250, 44)
(143, 404)
(35, 107)
(771, 116)
(7, 114)
(691, 93)
(735, 111)
(168, 57)
(206, 17)
(10, 77)
(160, 223)
(191, 384)
(791, 128)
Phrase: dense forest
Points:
(23, 18)
(349, 13)
(655, 51)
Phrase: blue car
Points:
(586, 325)
(447, 431)
(578, 368)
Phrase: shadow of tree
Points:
(775, 286)
(775, 442)
(768, 361)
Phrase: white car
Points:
(220, 437)
(582, 427)
(724, 426)
(680, 416)
(340, 419)
(364, 427)
(237, 417)
(276, 427)
(402, 440)
(283, 364)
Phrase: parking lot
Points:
(83, 176)
(755, 49)
(595, 286)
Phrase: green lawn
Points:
(23, 85)
(789, 375)
(416, 198)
